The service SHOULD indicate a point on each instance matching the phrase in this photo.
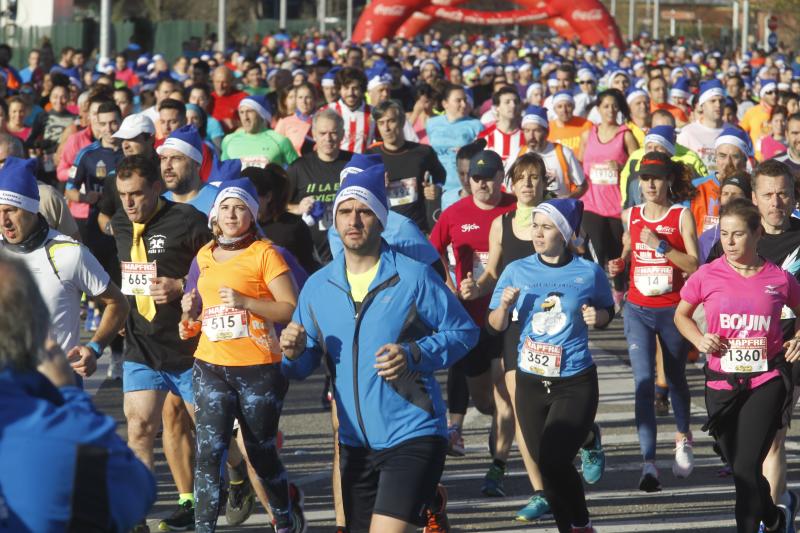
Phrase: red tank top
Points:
(655, 280)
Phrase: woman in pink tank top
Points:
(605, 149)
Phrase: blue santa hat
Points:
(187, 141)
(360, 163)
(633, 93)
(680, 89)
(566, 214)
(329, 78)
(709, 89)
(18, 185)
(663, 136)
(240, 188)
(223, 171)
(535, 114)
(368, 187)
(736, 137)
(563, 96)
(259, 104)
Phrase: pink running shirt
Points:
(739, 307)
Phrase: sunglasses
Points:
(586, 82)
(769, 92)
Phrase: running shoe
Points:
(684, 458)
(241, 502)
(584, 529)
(296, 496)
(593, 460)
(141, 528)
(493, 482)
(649, 481)
(662, 405)
(327, 395)
(181, 520)
(455, 442)
(535, 509)
(437, 521)
(786, 524)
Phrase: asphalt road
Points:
(703, 502)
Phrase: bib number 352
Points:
(745, 356)
(221, 323)
(540, 358)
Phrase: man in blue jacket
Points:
(385, 323)
(62, 465)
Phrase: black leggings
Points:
(254, 396)
(605, 236)
(554, 425)
(745, 436)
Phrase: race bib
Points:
(255, 161)
(222, 323)
(136, 277)
(604, 174)
(540, 358)
(745, 356)
(402, 192)
(709, 222)
(479, 260)
(653, 280)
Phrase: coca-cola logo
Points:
(389, 11)
(590, 15)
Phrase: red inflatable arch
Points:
(587, 20)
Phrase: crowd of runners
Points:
(223, 224)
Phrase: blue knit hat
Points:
(368, 187)
(187, 141)
(566, 214)
(709, 89)
(663, 136)
(680, 89)
(259, 104)
(535, 114)
(18, 185)
(736, 137)
(359, 163)
(241, 188)
(223, 171)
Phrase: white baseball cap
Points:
(134, 125)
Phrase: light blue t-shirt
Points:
(446, 138)
(204, 200)
(401, 234)
(549, 305)
(214, 129)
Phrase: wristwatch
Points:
(663, 247)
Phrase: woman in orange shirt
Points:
(246, 287)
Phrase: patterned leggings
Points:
(253, 395)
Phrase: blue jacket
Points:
(62, 464)
(408, 304)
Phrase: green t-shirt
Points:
(258, 149)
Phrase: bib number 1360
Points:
(745, 356)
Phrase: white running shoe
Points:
(684, 458)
